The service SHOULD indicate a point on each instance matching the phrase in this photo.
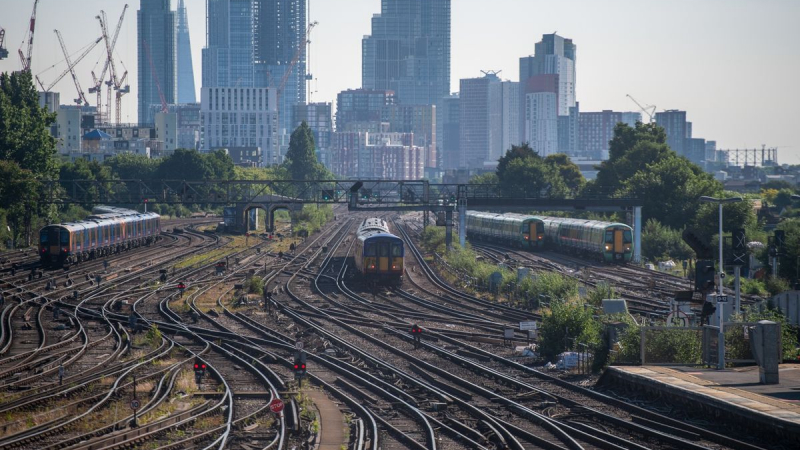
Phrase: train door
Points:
(619, 245)
(383, 253)
(53, 239)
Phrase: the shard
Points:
(186, 91)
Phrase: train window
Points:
(384, 249)
(626, 237)
(64, 237)
(397, 250)
(43, 236)
(609, 236)
(369, 249)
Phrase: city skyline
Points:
(721, 66)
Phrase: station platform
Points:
(734, 394)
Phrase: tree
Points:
(219, 164)
(630, 150)
(516, 152)
(19, 195)
(301, 159)
(129, 166)
(568, 171)
(670, 189)
(734, 215)
(566, 325)
(82, 169)
(184, 164)
(787, 264)
(660, 242)
(485, 178)
(532, 177)
(24, 135)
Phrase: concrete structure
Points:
(408, 51)
(166, 126)
(696, 150)
(510, 115)
(568, 131)
(361, 105)
(156, 26)
(677, 129)
(49, 100)
(417, 119)
(186, 89)
(68, 130)
(240, 117)
(541, 122)
(319, 117)
(377, 156)
(448, 122)
(188, 116)
(481, 121)
(597, 128)
(711, 151)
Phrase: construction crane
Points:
(70, 68)
(3, 50)
(650, 110)
(26, 58)
(304, 41)
(164, 106)
(109, 63)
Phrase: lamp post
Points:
(720, 306)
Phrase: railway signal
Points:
(199, 370)
(704, 276)
(181, 287)
(327, 195)
(299, 366)
(416, 332)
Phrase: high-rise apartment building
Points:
(242, 117)
(510, 115)
(378, 155)
(481, 121)
(554, 55)
(319, 117)
(596, 129)
(417, 119)
(408, 51)
(157, 56)
(540, 113)
(677, 129)
(361, 105)
(186, 89)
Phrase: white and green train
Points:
(610, 242)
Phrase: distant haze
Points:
(733, 65)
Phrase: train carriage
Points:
(108, 230)
(378, 253)
(517, 230)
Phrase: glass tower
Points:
(186, 90)
(409, 51)
(157, 40)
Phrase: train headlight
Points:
(541, 237)
(394, 266)
(372, 266)
(608, 247)
(527, 237)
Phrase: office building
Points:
(240, 117)
(510, 115)
(696, 150)
(166, 127)
(481, 139)
(540, 113)
(186, 90)
(408, 51)
(361, 105)
(157, 61)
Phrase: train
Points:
(378, 253)
(106, 231)
(607, 241)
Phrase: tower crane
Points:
(70, 68)
(3, 50)
(164, 106)
(109, 63)
(650, 110)
(26, 58)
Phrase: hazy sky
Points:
(733, 65)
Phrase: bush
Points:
(775, 286)
(600, 293)
(255, 285)
(550, 286)
(788, 332)
(660, 243)
(565, 325)
(664, 346)
(432, 239)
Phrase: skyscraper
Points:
(280, 37)
(186, 90)
(157, 41)
(554, 56)
(229, 54)
(677, 128)
(409, 51)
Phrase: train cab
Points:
(618, 243)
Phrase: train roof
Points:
(104, 219)
(584, 222)
(377, 234)
(373, 224)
